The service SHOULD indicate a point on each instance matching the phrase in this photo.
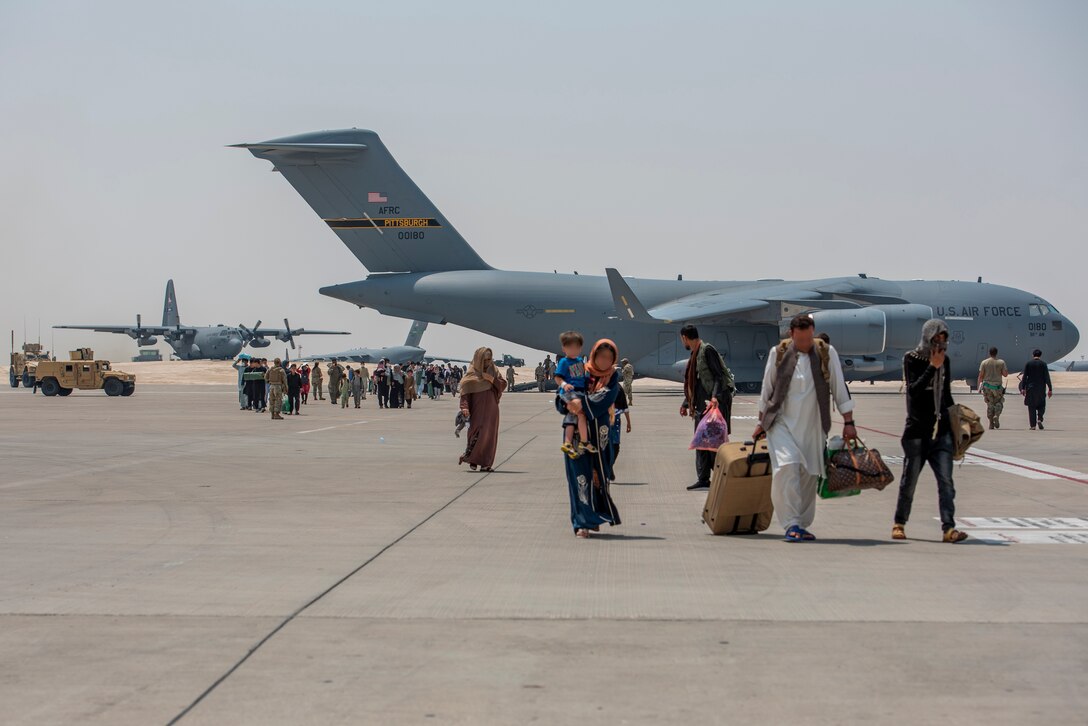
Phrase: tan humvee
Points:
(59, 378)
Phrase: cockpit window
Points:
(1036, 310)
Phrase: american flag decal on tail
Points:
(375, 197)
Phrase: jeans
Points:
(938, 454)
(704, 460)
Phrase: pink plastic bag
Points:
(711, 432)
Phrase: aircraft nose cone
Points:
(1072, 335)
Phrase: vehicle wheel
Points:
(28, 380)
(50, 387)
(130, 388)
(12, 379)
(64, 391)
(113, 387)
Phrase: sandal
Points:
(798, 534)
(954, 535)
(581, 533)
(898, 532)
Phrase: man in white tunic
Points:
(802, 376)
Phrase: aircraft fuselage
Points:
(533, 308)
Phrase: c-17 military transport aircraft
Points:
(219, 342)
(422, 269)
(410, 352)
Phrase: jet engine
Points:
(874, 329)
(260, 342)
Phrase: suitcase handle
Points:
(756, 456)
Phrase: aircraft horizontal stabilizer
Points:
(271, 149)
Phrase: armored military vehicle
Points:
(59, 378)
(24, 363)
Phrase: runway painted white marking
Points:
(894, 459)
(330, 428)
(1026, 530)
(1000, 462)
(1024, 467)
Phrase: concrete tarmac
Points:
(168, 558)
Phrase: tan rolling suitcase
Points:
(739, 500)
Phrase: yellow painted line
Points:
(557, 310)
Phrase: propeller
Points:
(248, 334)
(288, 334)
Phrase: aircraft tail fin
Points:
(356, 186)
(415, 335)
(170, 307)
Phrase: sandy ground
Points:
(199, 372)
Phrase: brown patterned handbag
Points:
(857, 467)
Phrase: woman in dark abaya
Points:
(588, 475)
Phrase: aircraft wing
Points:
(433, 358)
(707, 306)
(281, 333)
(143, 330)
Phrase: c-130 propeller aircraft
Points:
(421, 268)
(211, 342)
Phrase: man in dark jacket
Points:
(927, 436)
(1036, 387)
(294, 388)
(707, 383)
(381, 383)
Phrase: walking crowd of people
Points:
(803, 378)
(285, 387)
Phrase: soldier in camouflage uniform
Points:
(991, 381)
(316, 379)
(276, 378)
(628, 380)
(336, 375)
(541, 377)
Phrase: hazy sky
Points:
(720, 140)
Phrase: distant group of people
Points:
(263, 387)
